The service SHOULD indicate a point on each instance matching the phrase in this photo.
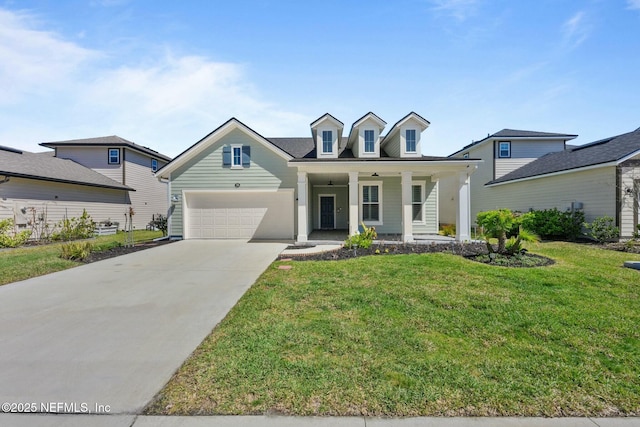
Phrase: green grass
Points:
(430, 334)
(31, 261)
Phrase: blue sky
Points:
(165, 73)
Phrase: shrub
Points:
(9, 238)
(159, 222)
(75, 228)
(602, 229)
(554, 224)
(499, 224)
(448, 230)
(361, 240)
(76, 250)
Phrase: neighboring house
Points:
(127, 163)
(37, 188)
(235, 183)
(601, 178)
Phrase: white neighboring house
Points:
(127, 163)
(36, 188)
(526, 170)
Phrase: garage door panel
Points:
(246, 215)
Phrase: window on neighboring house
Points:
(114, 156)
(410, 138)
(327, 141)
(417, 202)
(369, 143)
(504, 149)
(371, 205)
(154, 165)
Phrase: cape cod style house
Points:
(236, 183)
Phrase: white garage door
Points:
(239, 215)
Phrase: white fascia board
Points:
(385, 166)
(214, 137)
(552, 174)
(330, 118)
(353, 133)
(373, 117)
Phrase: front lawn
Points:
(430, 334)
(31, 261)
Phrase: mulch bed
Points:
(122, 250)
(474, 251)
(631, 246)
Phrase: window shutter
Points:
(226, 156)
(246, 156)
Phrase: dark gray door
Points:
(327, 212)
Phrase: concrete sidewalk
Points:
(36, 420)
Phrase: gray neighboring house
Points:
(39, 187)
(127, 163)
(236, 183)
(601, 178)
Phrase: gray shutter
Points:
(226, 156)
(246, 156)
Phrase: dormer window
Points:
(410, 140)
(327, 141)
(369, 141)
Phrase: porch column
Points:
(463, 211)
(353, 203)
(303, 220)
(407, 208)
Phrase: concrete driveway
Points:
(105, 337)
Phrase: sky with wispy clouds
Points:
(164, 74)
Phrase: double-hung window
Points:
(410, 140)
(236, 156)
(371, 203)
(369, 143)
(327, 141)
(114, 156)
(417, 202)
(504, 149)
(154, 165)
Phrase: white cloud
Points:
(576, 30)
(167, 103)
(459, 9)
(633, 4)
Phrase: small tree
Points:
(159, 222)
(498, 224)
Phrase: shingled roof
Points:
(607, 150)
(106, 141)
(517, 133)
(22, 164)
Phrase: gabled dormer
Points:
(327, 135)
(364, 137)
(403, 140)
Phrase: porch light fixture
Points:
(375, 174)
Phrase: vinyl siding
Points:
(100, 203)
(522, 153)
(391, 205)
(150, 196)
(595, 188)
(342, 205)
(95, 158)
(629, 180)
(267, 171)
(430, 207)
(392, 147)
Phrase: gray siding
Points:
(391, 205)
(95, 158)
(267, 171)
(430, 207)
(392, 147)
(342, 205)
(150, 196)
(19, 197)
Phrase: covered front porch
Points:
(398, 198)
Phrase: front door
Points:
(327, 212)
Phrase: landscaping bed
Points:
(473, 251)
(121, 250)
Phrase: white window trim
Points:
(109, 156)
(154, 162)
(233, 149)
(500, 156)
(422, 201)
(415, 141)
(322, 141)
(320, 196)
(361, 184)
(364, 141)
